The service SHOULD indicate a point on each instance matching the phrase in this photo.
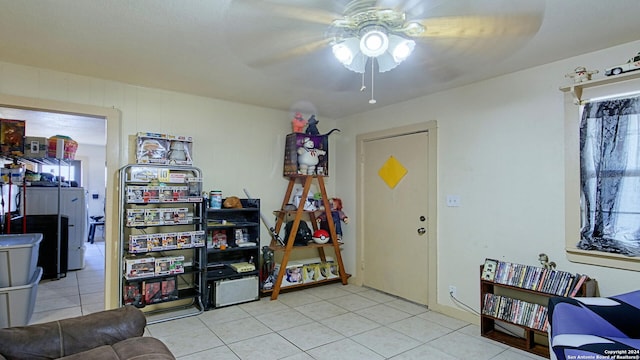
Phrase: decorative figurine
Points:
(268, 265)
(632, 64)
(580, 74)
(312, 127)
(544, 261)
(298, 123)
(337, 215)
(308, 157)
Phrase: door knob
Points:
(422, 231)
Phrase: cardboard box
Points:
(185, 240)
(169, 265)
(180, 150)
(199, 238)
(155, 242)
(135, 217)
(293, 273)
(12, 137)
(136, 268)
(306, 155)
(35, 147)
(170, 241)
(138, 243)
(152, 148)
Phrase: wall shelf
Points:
(576, 89)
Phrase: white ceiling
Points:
(264, 53)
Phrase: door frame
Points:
(115, 155)
(432, 206)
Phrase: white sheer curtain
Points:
(610, 176)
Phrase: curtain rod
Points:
(611, 97)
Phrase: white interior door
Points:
(395, 215)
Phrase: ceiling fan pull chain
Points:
(372, 101)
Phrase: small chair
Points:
(96, 221)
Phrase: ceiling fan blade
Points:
(319, 12)
(290, 53)
(481, 26)
(262, 32)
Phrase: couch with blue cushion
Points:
(588, 327)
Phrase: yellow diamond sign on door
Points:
(392, 172)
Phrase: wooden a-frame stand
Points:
(306, 180)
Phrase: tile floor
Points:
(328, 322)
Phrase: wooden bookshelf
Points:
(514, 302)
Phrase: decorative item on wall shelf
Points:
(581, 74)
(631, 65)
(62, 147)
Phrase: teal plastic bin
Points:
(18, 258)
(17, 302)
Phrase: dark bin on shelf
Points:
(48, 258)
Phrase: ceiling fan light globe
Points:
(402, 50)
(374, 43)
(343, 53)
(386, 62)
(358, 64)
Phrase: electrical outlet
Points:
(453, 291)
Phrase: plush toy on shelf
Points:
(309, 157)
(580, 74)
(337, 216)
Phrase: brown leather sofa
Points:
(110, 334)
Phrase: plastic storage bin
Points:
(17, 302)
(18, 258)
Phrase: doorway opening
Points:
(86, 116)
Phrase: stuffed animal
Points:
(337, 215)
(232, 202)
(580, 74)
(308, 157)
(298, 123)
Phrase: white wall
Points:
(93, 159)
(501, 148)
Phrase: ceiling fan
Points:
(439, 39)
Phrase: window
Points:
(627, 84)
(610, 176)
(70, 172)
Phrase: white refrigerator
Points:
(73, 203)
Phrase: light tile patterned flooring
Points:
(333, 322)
